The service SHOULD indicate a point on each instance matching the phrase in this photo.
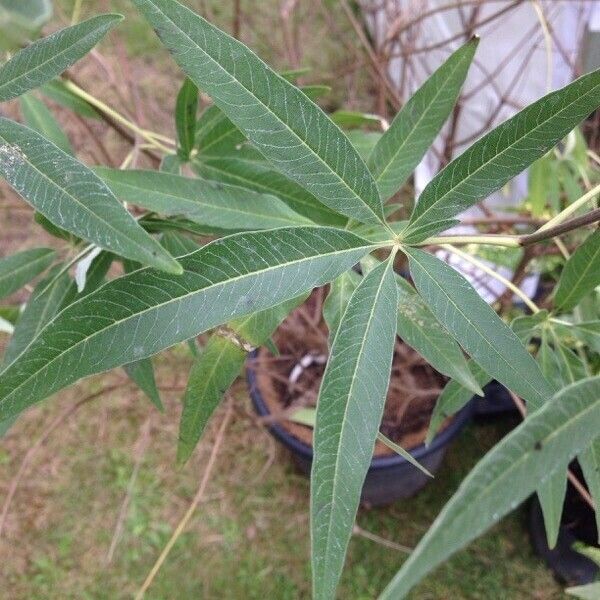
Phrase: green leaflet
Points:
(414, 128)
(217, 367)
(285, 126)
(21, 20)
(185, 117)
(335, 304)
(353, 119)
(147, 311)
(69, 194)
(178, 245)
(38, 116)
(205, 202)
(257, 176)
(47, 299)
(454, 396)
(477, 328)
(364, 141)
(501, 154)
(142, 373)
(551, 492)
(589, 332)
(540, 176)
(46, 58)
(217, 136)
(419, 328)
(171, 163)
(18, 269)
(57, 91)
(580, 275)
(349, 411)
(541, 445)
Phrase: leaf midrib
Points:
(261, 103)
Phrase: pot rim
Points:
(461, 418)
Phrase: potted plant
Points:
(317, 211)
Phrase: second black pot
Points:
(389, 477)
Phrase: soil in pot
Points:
(291, 380)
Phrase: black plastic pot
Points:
(389, 477)
(578, 525)
(496, 401)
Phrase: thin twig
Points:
(551, 232)
(190, 511)
(356, 530)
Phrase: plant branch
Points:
(572, 208)
(116, 116)
(517, 241)
(545, 233)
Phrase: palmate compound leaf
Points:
(477, 328)
(509, 473)
(414, 128)
(205, 202)
(501, 155)
(72, 197)
(284, 125)
(43, 60)
(147, 311)
(349, 410)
